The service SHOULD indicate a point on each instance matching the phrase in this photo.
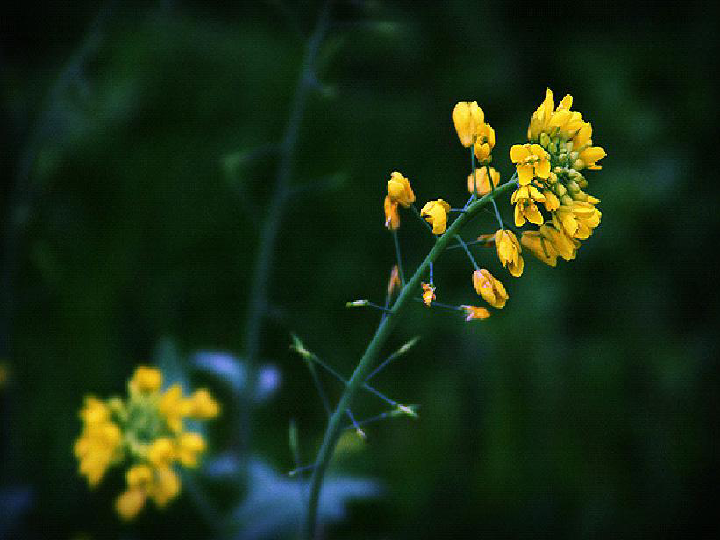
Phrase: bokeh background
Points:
(138, 165)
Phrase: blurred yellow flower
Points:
(435, 213)
(492, 291)
(146, 432)
(540, 247)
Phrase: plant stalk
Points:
(373, 351)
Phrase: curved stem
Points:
(373, 351)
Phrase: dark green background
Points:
(586, 408)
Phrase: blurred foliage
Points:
(587, 408)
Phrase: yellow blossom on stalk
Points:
(539, 246)
(435, 213)
(428, 294)
(473, 312)
(484, 143)
(482, 183)
(524, 199)
(492, 291)
(392, 218)
(399, 190)
(468, 119)
(145, 431)
(531, 160)
(508, 251)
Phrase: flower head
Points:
(399, 190)
(492, 291)
(435, 213)
(428, 294)
(482, 182)
(473, 312)
(508, 251)
(146, 432)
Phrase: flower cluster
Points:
(549, 194)
(144, 432)
(549, 176)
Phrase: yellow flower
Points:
(531, 160)
(435, 213)
(561, 242)
(146, 430)
(589, 157)
(481, 180)
(190, 445)
(468, 119)
(202, 405)
(539, 246)
(392, 218)
(428, 294)
(130, 502)
(524, 199)
(508, 251)
(146, 379)
(484, 142)
(161, 452)
(167, 486)
(399, 190)
(492, 291)
(473, 312)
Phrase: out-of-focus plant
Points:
(548, 173)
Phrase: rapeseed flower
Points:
(481, 185)
(491, 289)
(399, 190)
(508, 251)
(531, 160)
(435, 213)
(146, 432)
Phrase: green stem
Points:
(373, 351)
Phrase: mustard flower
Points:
(392, 218)
(399, 190)
(468, 119)
(492, 291)
(473, 312)
(531, 160)
(484, 143)
(435, 213)
(482, 183)
(565, 246)
(524, 199)
(428, 294)
(508, 251)
(145, 431)
(539, 246)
